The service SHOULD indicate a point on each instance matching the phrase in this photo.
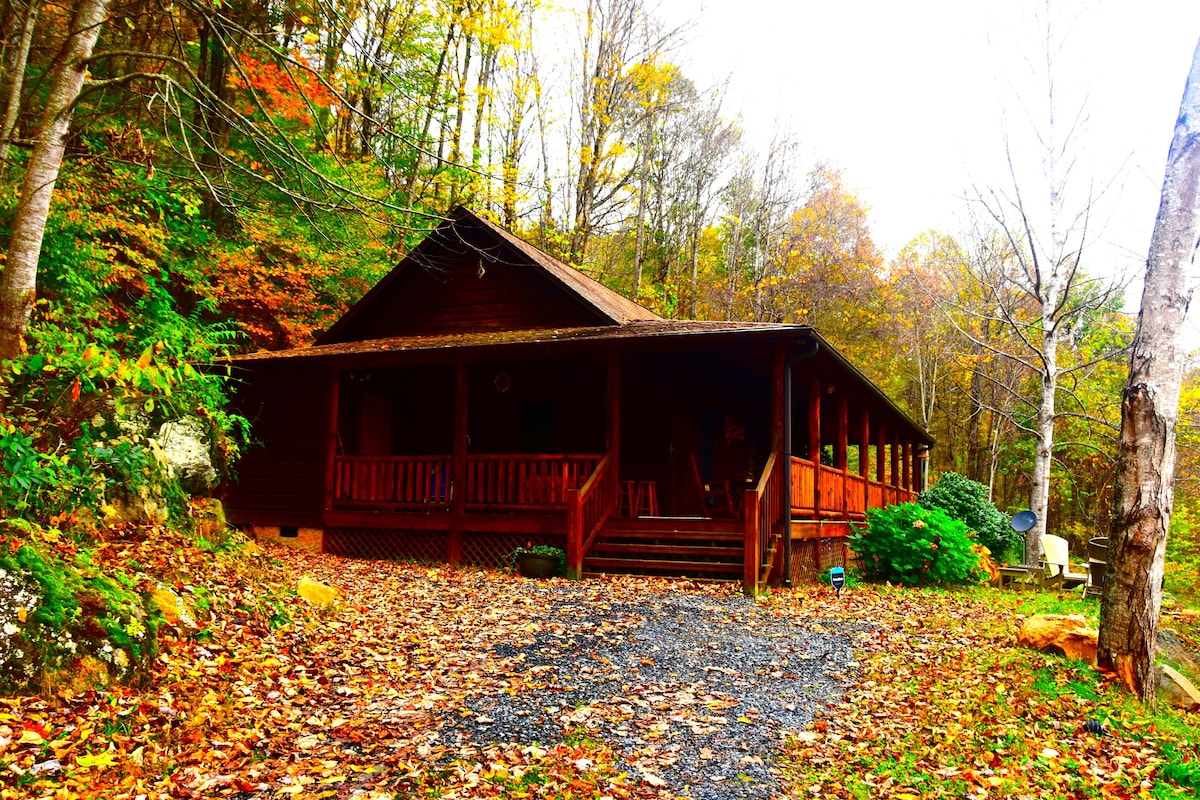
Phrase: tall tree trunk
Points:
(1043, 457)
(435, 85)
(18, 286)
(211, 119)
(16, 83)
(976, 436)
(639, 238)
(1145, 481)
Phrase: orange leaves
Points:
(291, 94)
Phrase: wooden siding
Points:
(463, 294)
(280, 480)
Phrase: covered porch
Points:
(742, 453)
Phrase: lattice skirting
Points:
(813, 558)
(495, 549)
(421, 546)
(469, 547)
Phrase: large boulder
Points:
(317, 593)
(1064, 634)
(174, 608)
(1173, 649)
(185, 449)
(1176, 690)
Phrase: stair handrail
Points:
(763, 512)
(588, 507)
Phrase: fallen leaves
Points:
(951, 707)
(467, 683)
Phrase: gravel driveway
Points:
(696, 689)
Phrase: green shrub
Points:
(78, 416)
(912, 544)
(967, 501)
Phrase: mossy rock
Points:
(62, 614)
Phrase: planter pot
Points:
(537, 565)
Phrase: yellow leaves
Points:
(100, 760)
(29, 736)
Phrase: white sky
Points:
(913, 98)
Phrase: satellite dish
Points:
(1023, 521)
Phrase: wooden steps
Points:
(683, 547)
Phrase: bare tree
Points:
(1036, 289)
(1146, 456)
(617, 36)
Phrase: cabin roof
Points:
(631, 330)
(616, 307)
(612, 317)
(546, 294)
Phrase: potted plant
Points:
(539, 561)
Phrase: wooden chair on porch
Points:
(721, 496)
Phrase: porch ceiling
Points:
(640, 334)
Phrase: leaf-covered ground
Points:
(429, 681)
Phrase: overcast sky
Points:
(914, 100)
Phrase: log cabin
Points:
(484, 396)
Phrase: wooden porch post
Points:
(778, 367)
(880, 456)
(908, 465)
(814, 440)
(895, 474)
(458, 483)
(786, 489)
(752, 554)
(462, 393)
(613, 437)
(331, 435)
(841, 459)
(864, 457)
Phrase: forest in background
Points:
(239, 173)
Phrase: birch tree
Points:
(1037, 289)
(1150, 409)
(18, 284)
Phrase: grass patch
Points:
(947, 705)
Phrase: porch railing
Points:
(764, 512)
(804, 483)
(839, 494)
(856, 495)
(392, 481)
(833, 490)
(493, 482)
(526, 482)
(587, 509)
(875, 494)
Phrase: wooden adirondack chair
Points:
(1056, 564)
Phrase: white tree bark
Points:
(17, 84)
(18, 286)
(1043, 456)
(1145, 479)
